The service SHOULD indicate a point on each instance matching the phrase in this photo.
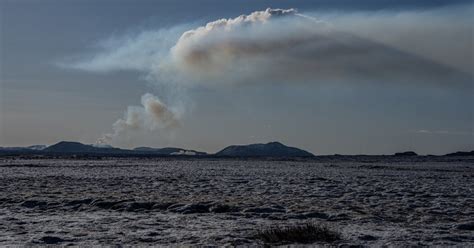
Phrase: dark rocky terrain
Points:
(371, 201)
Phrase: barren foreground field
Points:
(217, 202)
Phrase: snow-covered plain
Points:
(133, 201)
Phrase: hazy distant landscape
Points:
(262, 150)
(371, 201)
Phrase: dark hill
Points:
(76, 147)
(405, 154)
(272, 149)
(471, 153)
(167, 151)
(70, 147)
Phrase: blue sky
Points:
(42, 102)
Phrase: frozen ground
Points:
(218, 202)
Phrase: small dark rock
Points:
(105, 204)
(367, 238)
(222, 209)
(466, 226)
(175, 206)
(51, 240)
(79, 202)
(350, 246)
(194, 208)
(316, 215)
(146, 240)
(33, 204)
(136, 206)
(310, 215)
(162, 206)
(263, 210)
(115, 205)
(339, 217)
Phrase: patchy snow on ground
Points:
(135, 201)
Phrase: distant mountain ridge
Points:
(471, 153)
(272, 149)
(76, 147)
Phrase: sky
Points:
(328, 76)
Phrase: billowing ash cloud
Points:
(275, 45)
(282, 45)
(152, 115)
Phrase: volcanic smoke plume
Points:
(284, 46)
(277, 45)
(152, 115)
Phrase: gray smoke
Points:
(428, 47)
(152, 115)
(275, 45)
(282, 45)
